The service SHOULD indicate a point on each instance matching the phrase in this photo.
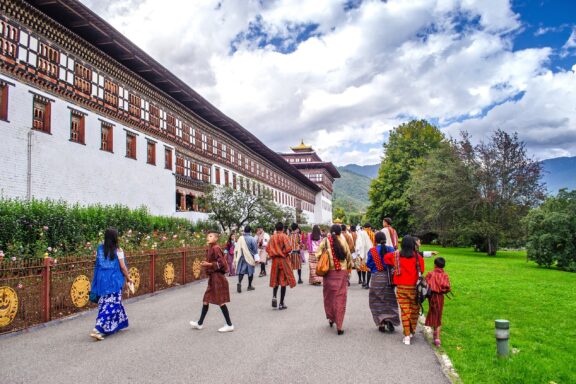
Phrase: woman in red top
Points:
(405, 279)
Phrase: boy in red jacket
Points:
(439, 284)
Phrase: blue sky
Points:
(342, 73)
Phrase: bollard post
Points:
(502, 337)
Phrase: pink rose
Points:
(175, 236)
(20, 286)
(1, 253)
(49, 249)
(45, 227)
(13, 258)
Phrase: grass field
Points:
(539, 303)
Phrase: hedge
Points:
(33, 228)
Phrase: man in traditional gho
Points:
(362, 246)
(262, 239)
(217, 291)
(363, 267)
(390, 233)
(245, 258)
(281, 274)
(296, 245)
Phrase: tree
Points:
(233, 209)
(442, 193)
(508, 185)
(478, 193)
(551, 232)
(406, 148)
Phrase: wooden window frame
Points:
(81, 129)
(4, 93)
(108, 144)
(41, 123)
(217, 175)
(131, 145)
(167, 158)
(151, 154)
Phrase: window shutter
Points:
(47, 117)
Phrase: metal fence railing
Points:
(40, 290)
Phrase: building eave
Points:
(82, 21)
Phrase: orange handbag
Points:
(323, 265)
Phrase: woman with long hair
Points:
(405, 279)
(110, 273)
(229, 252)
(313, 242)
(336, 280)
(383, 303)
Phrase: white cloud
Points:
(361, 73)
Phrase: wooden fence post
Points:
(46, 277)
(184, 266)
(153, 271)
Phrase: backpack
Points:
(422, 290)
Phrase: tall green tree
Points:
(442, 194)
(477, 194)
(407, 147)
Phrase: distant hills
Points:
(351, 190)
(559, 173)
(370, 171)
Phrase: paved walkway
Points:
(292, 346)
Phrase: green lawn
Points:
(539, 303)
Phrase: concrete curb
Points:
(61, 320)
(445, 362)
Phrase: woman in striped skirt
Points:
(405, 279)
(383, 303)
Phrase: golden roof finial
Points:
(301, 146)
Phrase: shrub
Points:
(32, 228)
(551, 232)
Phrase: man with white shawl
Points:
(362, 246)
(245, 258)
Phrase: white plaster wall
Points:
(192, 216)
(78, 173)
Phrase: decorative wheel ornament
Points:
(8, 305)
(169, 273)
(135, 277)
(197, 268)
(80, 290)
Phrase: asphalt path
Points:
(267, 346)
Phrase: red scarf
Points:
(337, 265)
(377, 260)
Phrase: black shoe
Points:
(366, 287)
(382, 328)
(300, 281)
(239, 287)
(282, 306)
(341, 332)
(390, 326)
(331, 323)
(250, 288)
(274, 302)
(360, 282)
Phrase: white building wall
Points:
(73, 172)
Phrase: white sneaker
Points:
(195, 325)
(406, 340)
(226, 328)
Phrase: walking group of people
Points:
(388, 271)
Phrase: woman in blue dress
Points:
(110, 273)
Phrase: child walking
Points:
(439, 284)
(217, 291)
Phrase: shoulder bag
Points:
(323, 265)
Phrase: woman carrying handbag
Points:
(110, 273)
(336, 279)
